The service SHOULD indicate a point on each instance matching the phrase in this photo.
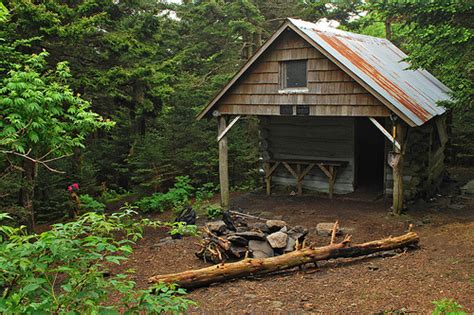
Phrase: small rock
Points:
(251, 235)
(277, 239)
(388, 253)
(284, 229)
(373, 267)
(260, 249)
(275, 225)
(326, 229)
(308, 306)
(298, 232)
(238, 251)
(290, 245)
(217, 227)
(238, 240)
(260, 226)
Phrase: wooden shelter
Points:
(338, 111)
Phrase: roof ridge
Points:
(334, 31)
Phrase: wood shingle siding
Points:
(330, 91)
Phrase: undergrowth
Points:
(65, 270)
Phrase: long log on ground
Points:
(222, 272)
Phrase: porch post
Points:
(223, 163)
(398, 193)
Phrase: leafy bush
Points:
(181, 228)
(64, 270)
(214, 211)
(177, 196)
(206, 191)
(111, 195)
(90, 204)
(448, 306)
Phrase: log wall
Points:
(310, 138)
(330, 91)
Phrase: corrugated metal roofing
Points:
(379, 64)
(373, 62)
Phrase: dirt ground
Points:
(443, 266)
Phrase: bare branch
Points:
(39, 161)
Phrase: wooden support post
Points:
(331, 174)
(398, 194)
(332, 180)
(268, 178)
(269, 169)
(223, 164)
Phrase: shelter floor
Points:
(443, 267)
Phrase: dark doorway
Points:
(369, 155)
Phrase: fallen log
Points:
(222, 272)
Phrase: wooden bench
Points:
(303, 167)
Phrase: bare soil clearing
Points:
(443, 267)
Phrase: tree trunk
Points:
(223, 164)
(222, 272)
(30, 170)
(398, 193)
(388, 29)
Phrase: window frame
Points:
(283, 78)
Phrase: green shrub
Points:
(111, 195)
(178, 195)
(448, 307)
(206, 191)
(181, 228)
(63, 271)
(88, 203)
(213, 211)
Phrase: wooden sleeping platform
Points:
(303, 167)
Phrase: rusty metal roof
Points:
(379, 64)
(373, 62)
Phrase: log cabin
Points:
(337, 112)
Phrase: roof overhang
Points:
(394, 90)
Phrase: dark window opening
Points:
(286, 110)
(294, 74)
(302, 110)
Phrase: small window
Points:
(302, 110)
(294, 74)
(286, 110)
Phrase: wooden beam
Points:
(331, 174)
(272, 169)
(307, 170)
(226, 130)
(324, 169)
(385, 132)
(268, 175)
(223, 163)
(298, 180)
(290, 169)
(442, 132)
(398, 193)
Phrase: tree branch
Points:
(39, 161)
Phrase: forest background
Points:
(105, 93)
